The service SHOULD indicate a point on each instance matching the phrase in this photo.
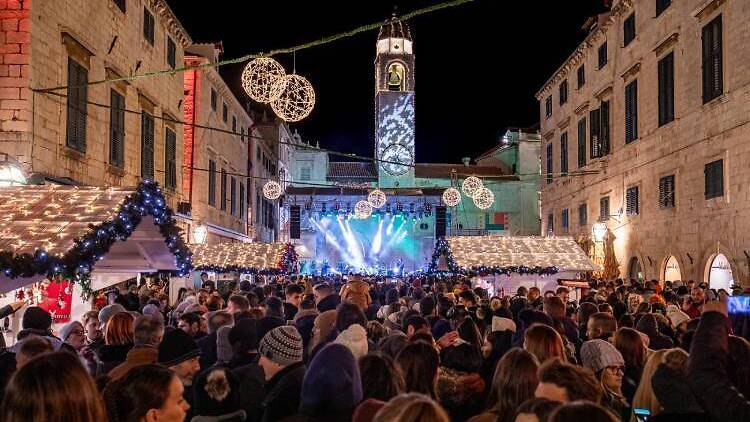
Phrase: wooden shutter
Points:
(223, 205)
(170, 159)
(604, 208)
(564, 153)
(211, 182)
(549, 162)
(171, 53)
(77, 106)
(666, 89)
(604, 128)
(147, 146)
(714, 176)
(631, 201)
(116, 129)
(666, 192)
(631, 111)
(602, 53)
(713, 81)
(582, 215)
(242, 201)
(628, 29)
(233, 196)
(594, 126)
(582, 142)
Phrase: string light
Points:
(362, 209)
(257, 258)
(293, 98)
(451, 197)
(484, 198)
(259, 76)
(471, 185)
(272, 190)
(376, 198)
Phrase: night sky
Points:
(478, 66)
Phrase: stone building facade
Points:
(108, 134)
(645, 129)
(265, 151)
(215, 161)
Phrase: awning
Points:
(255, 258)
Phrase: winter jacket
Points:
(110, 356)
(304, 322)
(207, 345)
(328, 303)
(358, 293)
(657, 341)
(252, 390)
(707, 374)
(137, 356)
(283, 393)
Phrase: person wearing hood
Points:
(608, 365)
(673, 391)
(281, 360)
(331, 388)
(324, 327)
(496, 344)
(217, 396)
(242, 340)
(356, 291)
(355, 339)
(649, 326)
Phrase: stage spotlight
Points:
(308, 206)
(427, 208)
(323, 207)
(388, 209)
(336, 205)
(399, 207)
(411, 207)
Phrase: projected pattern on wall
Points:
(396, 131)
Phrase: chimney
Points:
(466, 161)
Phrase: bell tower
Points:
(394, 105)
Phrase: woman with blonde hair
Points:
(412, 407)
(544, 342)
(118, 340)
(644, 397)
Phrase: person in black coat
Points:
(207, 344)
(281, 355)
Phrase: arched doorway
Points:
(635, 271)
(720, 273)
(672, 269)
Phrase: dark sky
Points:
(478, 66)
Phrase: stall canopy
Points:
(95, 236)
(509, 254)
(253, 258)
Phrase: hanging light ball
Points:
(484, 198)
(376, 198)
(293, 98)
(471, 185)
(259, 76)
(272, 190)
(451, 197)
(362, 209)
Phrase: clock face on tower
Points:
(397, 158)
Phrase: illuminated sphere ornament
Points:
(362, 209)
(484, 198)
(293, 98)
(471, 185)
(451, 197)
(259, 76)
(272, 190)
(376, 198)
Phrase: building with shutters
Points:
(109, 134)
(645, 129)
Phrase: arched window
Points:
(672, 269)
(635, 271)
(720, 273)
(396, 77)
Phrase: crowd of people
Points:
(373, 349)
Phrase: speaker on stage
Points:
(294, 221)
(440, 221)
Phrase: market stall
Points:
(59, 244)
(504, 263)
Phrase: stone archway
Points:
(719, 273)
(671, 270)
(635, 270)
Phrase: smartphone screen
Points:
(738, 305)
(641, 415)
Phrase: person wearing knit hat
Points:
(677, 317)
(217, 396)
(108, 312)
(608, 366)
(332, 387)
(281, 360)
(179, 352)
(73, 334)
(153, 311)
(36, 318)
(355, 339)
(503, 324)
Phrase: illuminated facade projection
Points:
(398, 235)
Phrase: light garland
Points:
(484, 198)
(376, 198)
(471, 185)
(272, 190)
(259, 76)
(362, 209)
(247, 258)
(451, 197)
(293, 98)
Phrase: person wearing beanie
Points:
(147, 334)
(332, 387)
(281, 360)
(355, 339)
(648, 325)
(153, 310)
(217, 396)
(73, 335)
(244, 340)
(179, 353)
(608, 366)
(108, 312)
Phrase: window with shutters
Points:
(631, 201)
(234, 124)
(77, 96)
(120, 4)
(662, 5)
(147, 146)
(171, 53)
(599, 130)
(224, 112)
(548, 107)
(583, 216)
(604, 209)
(212, 183)
(564, 154)
(170, 159)
(666, 192)
(582, 142)
(666, 89)
(258, 205)
(223, 194)
(304, 173)
(602, 55)
(549, 163)
(631, 112)
(148, 26)
(242, 134)
(550, 223)
(242, 201)
(581, 76)
(213, 99)
(714, 172)
(233, 196)
(564, 220)
(628, 30)
(116, 129)
(713, 78)
(563, 92)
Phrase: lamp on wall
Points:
(599, 230)
(200, 233)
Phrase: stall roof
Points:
(515, 251)
(238, 256)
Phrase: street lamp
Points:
(11, 173)
(200, 233)
(599, 230)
